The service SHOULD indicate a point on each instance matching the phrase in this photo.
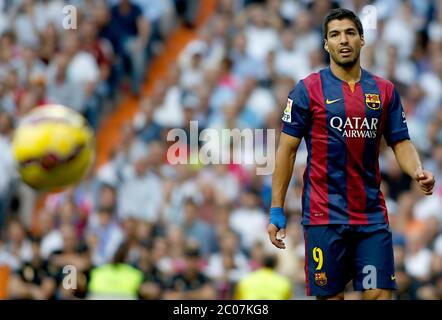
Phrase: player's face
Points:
(343, 42)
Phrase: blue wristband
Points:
(277, 217)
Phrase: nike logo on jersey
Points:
(332, 101)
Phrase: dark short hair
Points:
(105, 210)
(121, 253)
(192, 252)
(270, 261)
(341, 14)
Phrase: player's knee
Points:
(377, 294)
(339, 296)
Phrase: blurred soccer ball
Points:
(53, 147)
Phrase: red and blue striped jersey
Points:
(342, 130)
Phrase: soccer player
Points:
(342, 112)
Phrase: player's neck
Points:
(350, 75)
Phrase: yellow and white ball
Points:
(53, 147)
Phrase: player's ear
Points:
(326, 45)
(362, 41)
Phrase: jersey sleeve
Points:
(296, 117)
(396, 128)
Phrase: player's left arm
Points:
(409, 161)
(396, 135)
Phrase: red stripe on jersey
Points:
(386, 92)
(356, 195)
(319, 213)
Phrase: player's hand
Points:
(426, 181)
(276, 227)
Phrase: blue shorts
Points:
(337, 254)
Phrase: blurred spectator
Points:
(33, 280)
(79, 61)
(256, 256)
(188, 11)
(144, 124)
(29, 66)
(51, 237)
(30, 20)
(116, 280)
(17, 247)
(244, 65)
(264, 284)
(289, 61)
(140, 195)
(50, 43)
(261, 35)
(195, 229)
(168, 96)
(291, 261)
(191, 284)
(154, 280)
(131, 44)
(249, 220)
(104, 236)
(73, 253)
(403, 279)
(6, 165)
(60, 89)
(396, 180)
(227, 266)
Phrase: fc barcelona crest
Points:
(373, 101)
(320, 278)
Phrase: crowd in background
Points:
(140, 227)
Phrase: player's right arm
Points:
(296, 121)
(284, 162)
